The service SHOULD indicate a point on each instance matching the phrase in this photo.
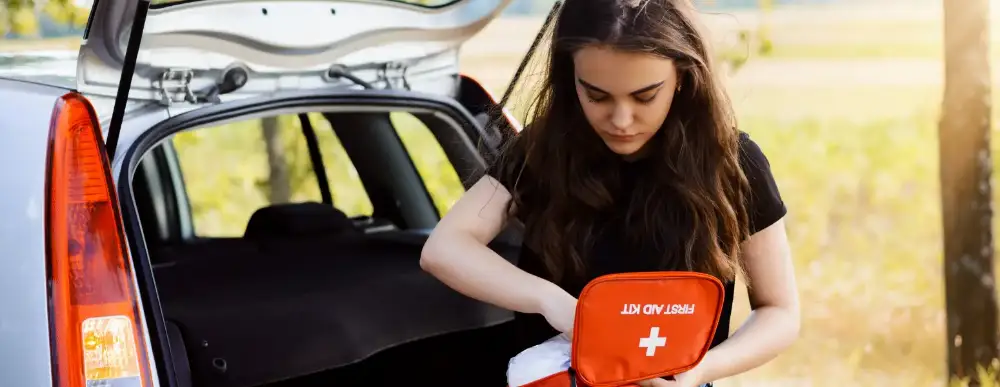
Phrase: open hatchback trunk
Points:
(223, 319)
(304, 294)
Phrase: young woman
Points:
(632, 162)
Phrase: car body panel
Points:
(50, 67)
(136, 123)
(25, 112)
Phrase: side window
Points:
(345, 186)
(234, 169)
(439, 176)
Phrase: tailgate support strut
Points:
(161, 360)
(125, 83)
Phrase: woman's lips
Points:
(623, 137)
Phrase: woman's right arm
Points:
(457, 254)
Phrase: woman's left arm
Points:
(774, 322)
(773, 325)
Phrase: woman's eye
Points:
(597, 99)
(645, 99)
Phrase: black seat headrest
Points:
(298, 219)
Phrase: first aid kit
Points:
(629, 327)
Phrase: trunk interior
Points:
(309, 296)
(338, 310)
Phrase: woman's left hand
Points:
(685, 379)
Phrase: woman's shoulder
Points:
(753, 161)
(508, 164)
(765, 201)
(751, 155)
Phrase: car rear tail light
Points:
(94, 317)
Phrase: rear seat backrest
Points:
(298, 220)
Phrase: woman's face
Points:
(626, 96)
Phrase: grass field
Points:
(847, 112)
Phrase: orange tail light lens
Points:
(95, 320)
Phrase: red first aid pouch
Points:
(637, 326)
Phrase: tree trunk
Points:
(279, 180)
(966, 168)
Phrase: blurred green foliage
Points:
(227, 176)
(986, 376)
(21, 16)
(440, 177)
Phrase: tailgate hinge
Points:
(174, 85)
(392, 73)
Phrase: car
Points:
(116, 270)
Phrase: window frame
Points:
(459, 127)
(297, 135)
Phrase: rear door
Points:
(199, 51)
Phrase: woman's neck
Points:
(632, 158)
(640, 154)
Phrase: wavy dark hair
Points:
(694, 158)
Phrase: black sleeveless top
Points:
(611, 254)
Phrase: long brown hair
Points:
(694, 160)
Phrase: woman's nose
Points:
(621, 116)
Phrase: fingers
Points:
(656, 382)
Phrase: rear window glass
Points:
(425, 3)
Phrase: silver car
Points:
(115, 271)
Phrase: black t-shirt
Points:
(611, 254)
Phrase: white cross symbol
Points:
(654, 340)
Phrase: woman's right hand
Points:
(456, 253)
(559, 309)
